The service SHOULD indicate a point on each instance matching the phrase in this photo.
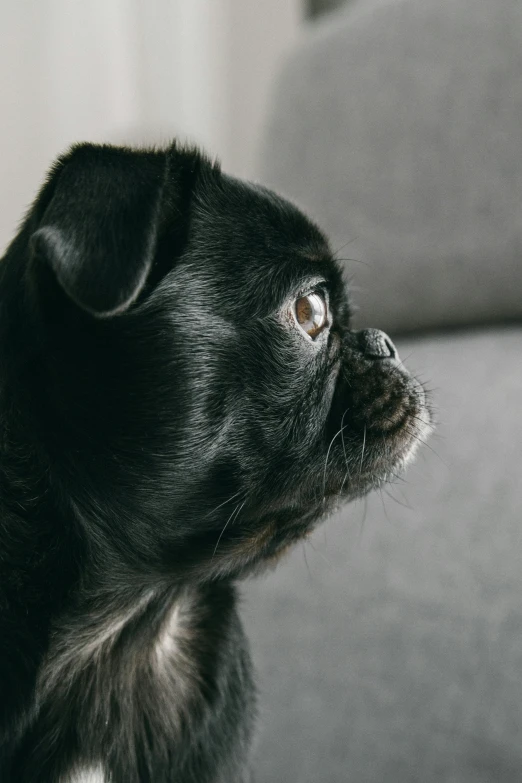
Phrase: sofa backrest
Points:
(397, 124)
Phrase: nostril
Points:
(375, 344)
(391, 348)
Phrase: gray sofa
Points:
(390, 648)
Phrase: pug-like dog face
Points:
(202, 397)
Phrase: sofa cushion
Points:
(390, 647)
(398, 125)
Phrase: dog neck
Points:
(142, 668)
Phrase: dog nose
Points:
(376, 344)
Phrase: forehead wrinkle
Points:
(297, 272)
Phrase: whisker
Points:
(307, 564)
(384, 506)
(428, 445)
(392, 497)
(363, 519)
(354, 260)
(224, 503)
(349, 242)
(235, 513)
(326, 460)
(321, 554)
(347, 474)
(418, 438)
(362, 454)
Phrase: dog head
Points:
(190, 374)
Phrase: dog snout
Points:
(375, 344)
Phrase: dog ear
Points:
(99, 226)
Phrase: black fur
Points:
(165, 427)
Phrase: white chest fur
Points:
(139, 653)
(86, 775)
(173, 646)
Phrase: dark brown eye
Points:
(310, 314)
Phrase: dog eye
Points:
(310, 314)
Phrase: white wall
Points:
(135, 71)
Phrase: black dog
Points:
(181, 398)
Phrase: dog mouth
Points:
(385, 418)
(382, 415)
(378, 417)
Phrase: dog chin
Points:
(389, 428)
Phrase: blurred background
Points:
(390, 648)
(134, 71)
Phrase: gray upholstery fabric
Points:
(317, 7)
(398, 125)
(390, 649)
(396, 656)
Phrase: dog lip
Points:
(380, 393)
(412, 429)
(386, 415)
(408, 409)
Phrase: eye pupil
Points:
(304, 310)
(310, 313)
